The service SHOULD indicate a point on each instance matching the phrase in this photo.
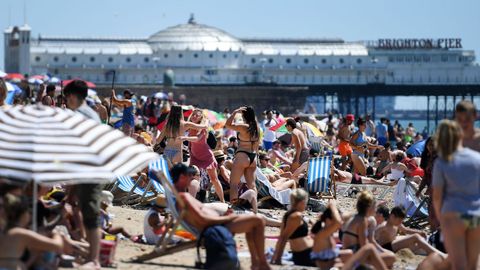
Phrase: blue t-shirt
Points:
(381, 130)
(460, 182)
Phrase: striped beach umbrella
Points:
(50, 145)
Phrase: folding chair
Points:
(154, 166)
(267, 191)
(134, 191)
(416, 208)
(163, 247)
(320, 177)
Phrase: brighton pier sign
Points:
(419, 43)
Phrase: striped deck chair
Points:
(267, 191)
(416, 208)
(163, 247)
(134, 192)
(320, 177)
(154, 166)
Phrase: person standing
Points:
(302, 153)
(128, 120)
(49, 98)
(370, 130)
(268, 135)
(382, 132)
(456, 195)
(344, 134)
(89, 195)
(465, 115)
(392, 135)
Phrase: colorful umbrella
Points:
(160, 95)
(417, 148)
(54, 80)
(15, 77)
(89, 84)
(35, 81)
(312, 130)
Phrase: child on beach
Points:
(107, 228)
(386, 234)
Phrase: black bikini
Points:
(388, 246)
(251, 155)
(300, 257)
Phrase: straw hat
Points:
(107, 197)
(160, 201)
(219, 154)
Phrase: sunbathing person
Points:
(399, 170)
(200, 217)
(347, 177)
(16, 239)
(386, 234)
(278, 156)
(381, 214)
(278, 182)
(325, 252)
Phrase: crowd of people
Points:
(220, 162)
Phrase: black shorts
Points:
(302, 257)
(88, 196)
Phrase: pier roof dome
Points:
(195, 37)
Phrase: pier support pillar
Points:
(428, 114)
(373, 107)
(436, 111)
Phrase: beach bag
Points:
(221, 249)
(211, 140)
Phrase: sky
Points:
(351, 20)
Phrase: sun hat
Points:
(218, 154)
(106, 197)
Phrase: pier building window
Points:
(444, 58)
(55, 59)
(146, 59)
(305, 61)
(110, 59)
(129, 60)
(236, 56)
(195, 55)
(408, 59)
(74, 59)
(210, 55)
(359, 61)
(165, 55)
(324, 61)
(37, 59)
(341, 61)
(92, 59)
(180, 55)
(417, 58)
(253, 61)
(400, 59)
(288, 60)
(426, 59)
(391, 59)
(270, 60)
(224, 55)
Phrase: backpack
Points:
(211, 140)
(221, 249)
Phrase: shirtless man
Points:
(386, 234)
(344, 135)
(300, 142)
(279, 181)
(200, 217)
(465, 115)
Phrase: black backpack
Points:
(211, 140)
(221, 249)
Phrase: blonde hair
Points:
(298, 195)
(447, 139)
(202, 115)
(364, 201)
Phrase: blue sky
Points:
(351, 20)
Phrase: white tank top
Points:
(395, 174)
(150, 235)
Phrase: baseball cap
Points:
(350, 117)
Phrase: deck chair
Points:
(163, 247)
(134, 191)
(267, 191)
(155, 166)
(416, 208)
(320, 178)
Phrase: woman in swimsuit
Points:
(15, 239)
(355, 231)
(294, 230)
(200, 153)
(244, 163)
(325, 253)
(173, 132)
(360, 144)
(128, 120)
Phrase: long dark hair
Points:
(172, 127)
(427, 155)
(318, 226)
(251, 120)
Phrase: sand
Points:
(132, 220)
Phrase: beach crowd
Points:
(216, 161)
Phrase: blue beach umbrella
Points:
(417, 148)
(13, 90)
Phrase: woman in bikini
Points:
(325, 253)
(173, 133)
(201, 154)
(360, 144)
(244, 163)
(355, 231)
(294, 230)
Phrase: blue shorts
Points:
(267, 145)
(382, 141)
